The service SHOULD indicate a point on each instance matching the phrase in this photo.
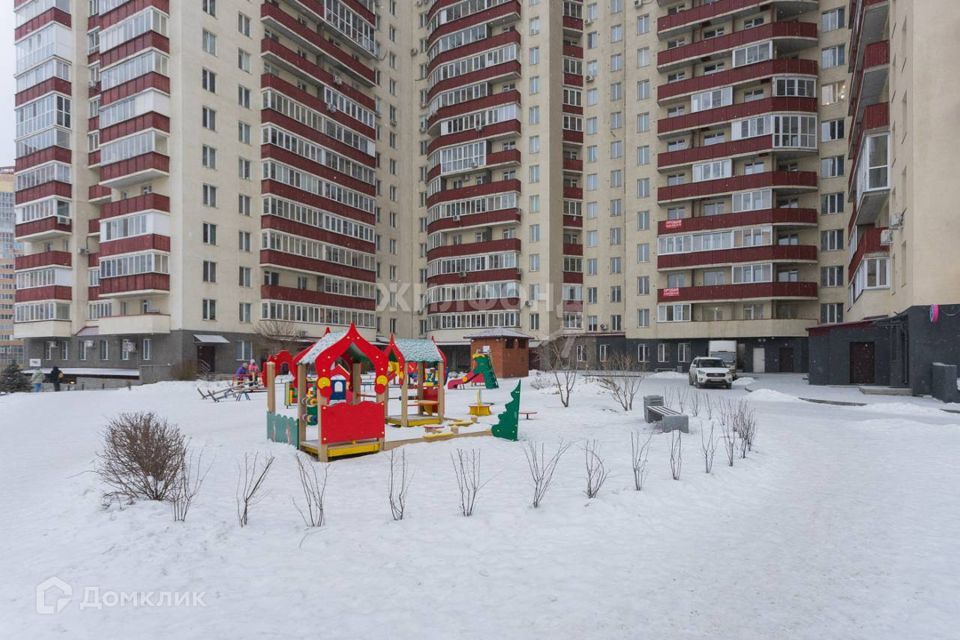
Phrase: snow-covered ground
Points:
(843, 523)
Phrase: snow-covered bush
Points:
(542, 468)
(596, 471)
(142, 457)
(250, 479)
(638, 458)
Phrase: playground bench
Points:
(670, 420)
(527, 414)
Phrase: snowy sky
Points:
(7, 68)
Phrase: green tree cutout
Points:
(508, 426)
(12, 379)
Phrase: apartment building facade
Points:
(194, 178)
(11, 349)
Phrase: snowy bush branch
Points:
(638, 456)
(250, 479)
(467, 469)
(398, 485)
(596, 471)
(542, 468)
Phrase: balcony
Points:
(45, 229)
(572, 137)
(474, 191)
(140, 284)
(869, 20)
(43, 259)
(488, 43)
(485, 219)
(479, 104)
(52, 292)
(473, 248)
(465, 306)
(736, 148)
(573, 193)
(573, 25)
(788, 180)
(270, 257)
(49, 154)
(488, 275)
(497, 15)
(572, 249)
(769, 253)
(142, 324)
(870, 77)
(52, 14)
(148, 40)
(739, 75)
(145, 202)
(775, 217)
(736, 292)
(710, 117)
(98, 194)
(143, 168)
(868, 243)
(44, 329)
(298, 65)
(724, 9)
(573, 165)
(503, 158)
(730, 329)
(492, 131)
(503, 71)
(788, 37)
(134, 244)
(277, 19)
(45, 190)
(292, 294)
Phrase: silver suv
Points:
(709, 372)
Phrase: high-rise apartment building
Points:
(11, 350)
(196, 176)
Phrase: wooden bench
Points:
(669, 419)
(527, 414)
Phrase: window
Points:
(874, 171)
(643, 285)
(643, 318)
(832, 20)
(711, 99)
(244, 204)
(643, 350)
(831, 130)
(209, 42)
(243, 96)
(209, 271)
(209, 309)
(643, 90)
(831, 203)
(833, 56)
(831, 276)
(245, 312)
(243, 132)
(831, 240)
(208, 80)
(243, 24)
(208, 157)
(244, 170)
(752, 54)
(643, 57)
(683, 352)
(104, 349)
(643, 24)
(673, 313)
(244, 276)
(795, 87)
(210, 7)
(209, 195)
(662, 354)
(243, 60)
(831, 313)
(243, 350)
(244, 241)
(209, 118)
(831, 167)
(209, 233)
(146, 349)
(534, 26)
(832, 93)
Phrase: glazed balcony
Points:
(473, 220)
(487, 275)
(503, 71)
(739, 255)
(50, 85)
(301, 66)
(151, 120)
(466, 306)
(788, 37)
(273, 258)
(45, 190)
(492, 42)
(725, 9)
(479, 104)
(494, 16)
(474, 191)
(869, 23)
(143, 168)
(36, 23)
(140, 284)
(43, 259)
(473, 248)
(145, 202)
(292, 227)
(282, 22)
(776, 217)
(148, 242)
(493, 131)
(97, 194)
(292, 294)
(870, 77)
(788, 180)
(143, 42)
(737, 292)
(720, 115)
(45, 229)
(293, 92)
(737, 76)
(734, 149)
(123, 11)
(49, 154)
(876, 118)
(52, 292)
(152, 80)
(869, 243)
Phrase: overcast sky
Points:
(7, 86)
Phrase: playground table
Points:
(427, 407)
(481, 409)
(527, 414)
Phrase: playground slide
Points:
(470, 377)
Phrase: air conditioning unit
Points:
(82, 251)
(637, 3)
(588, 22)
(393, 122)
(529, 303)
(332, 107)
(886, 237)
(463, 274)
(337, 79)
(589, 78)
(456, 218)
(603, 327)
(414, 51)
(423, 127)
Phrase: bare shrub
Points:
(638, 457)
(708, 406)
(728, 436)
(676, 454)
(708, 446)
(540, 382)
(542, 468)
(559, 358)
(250, 478)
(142, 457)
(314, 486)
(596, 471)
(695, 398)
(399, 484)
(189, 479)
(276, 335)
(619, 378)
(746, 428)
(467, 469)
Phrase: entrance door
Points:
(786, 360)
(206, 358)
(862, 364)
(759, 360)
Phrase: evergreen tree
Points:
(13, 379)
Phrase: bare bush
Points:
(708, 446)
(250, 478)
(708, 406)
(142, 457)
(559, 358)
(638, 457)
(695, 398)
(542, 468)
(746, 427)
(189, 479)
(467, 469)
(540, 382)
(314, 486)
(619, 378)
(596, 471)
(399, 484)
(676, 454)
(276, 335)
(728, 436)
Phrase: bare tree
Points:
(596, 471)
(314, 486)
(467, 469)
(542, 469)
(250, 479)
(676, 454)
(277, 335)
(639, 451)
(399, 484)
(559, 357)
(142, 457)
(190, 478)
(708, 446)
(619, 378)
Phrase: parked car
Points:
(709, 372)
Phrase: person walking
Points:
(56, 377)
(37, 380)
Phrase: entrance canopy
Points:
(203, 338)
